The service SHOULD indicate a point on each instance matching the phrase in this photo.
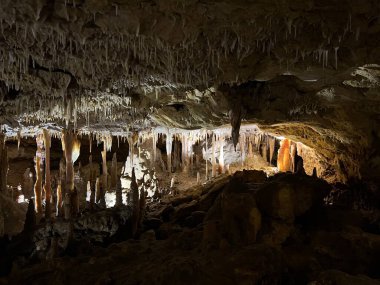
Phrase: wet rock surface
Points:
(278, 232)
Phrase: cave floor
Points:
(240, 229)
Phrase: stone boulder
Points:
(234, 217)
(287, 196)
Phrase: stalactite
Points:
(213, 160)
(235, 119)
(272, 142)
(47, 185)
(90, 142)
(169, 142)
(154, 147)
(131, 147)
(264, 151)
(336, 56)
(250, 150)
(59, 200)
(205, 158)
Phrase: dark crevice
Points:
(36, 66)
(178, 107)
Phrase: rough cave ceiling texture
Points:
(305, 69)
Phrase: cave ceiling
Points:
(305, 69)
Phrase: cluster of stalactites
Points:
(86, 108)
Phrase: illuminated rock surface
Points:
(170, 141)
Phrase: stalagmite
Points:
(18, 139)
(74, 202)
(299, 167)
(71, 148)
(97, 190)
(67, 206)
(293, 154)
(38, 188)
(315, 175)
(142, 205)
(242, 147)
(27, 186)
(47, 185)
(3, 164)
(105, 172)
(113, 173)
(221, 157)
(61, 187)
(92, 182)
(284, 159)
(67, 147)
(59, 200)
(198, 178)
(30, 218)
(135, 203)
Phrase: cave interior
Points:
(190, 142)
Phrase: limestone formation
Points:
(38, 187)
(3, 164)
(272, 102)
(135, 203)
(47, 185)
